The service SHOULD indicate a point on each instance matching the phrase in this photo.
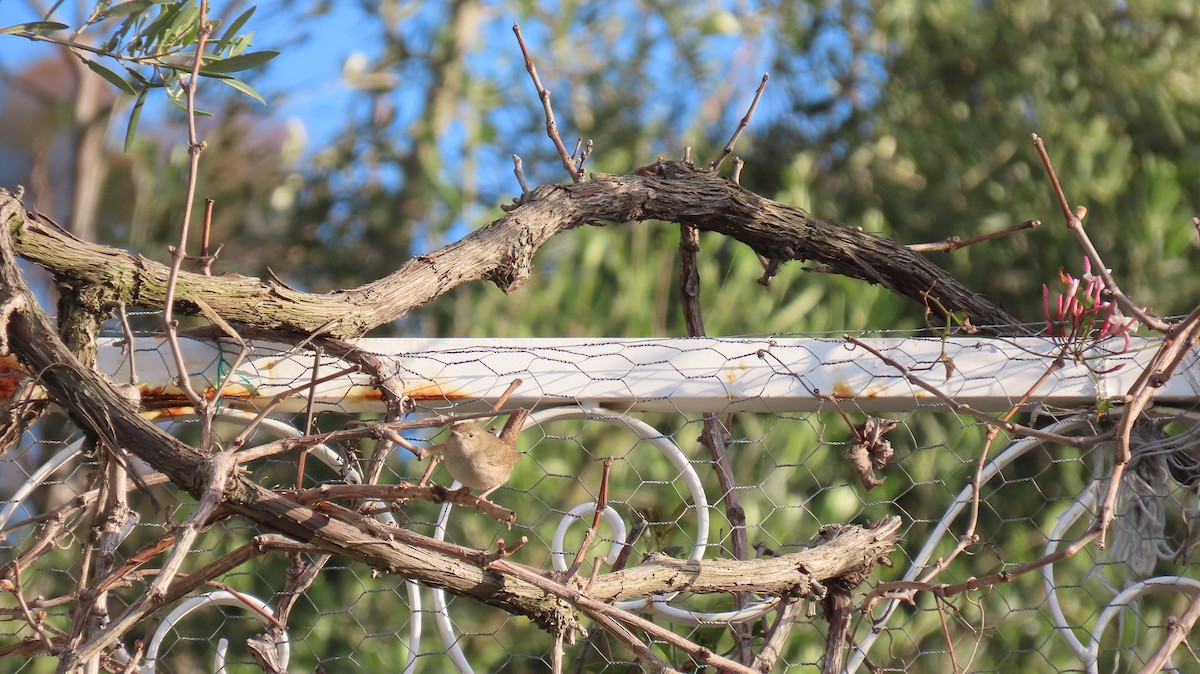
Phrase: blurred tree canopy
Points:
(910, 119)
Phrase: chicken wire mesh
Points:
(641, 403)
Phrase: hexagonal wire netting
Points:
(789, 407)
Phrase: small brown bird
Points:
(478, 459)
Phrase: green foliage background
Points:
(910, 119)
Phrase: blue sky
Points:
(305, 81)
(306, 76)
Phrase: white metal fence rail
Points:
(761, 374)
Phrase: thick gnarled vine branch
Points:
(502, 253)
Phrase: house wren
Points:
(478, 459)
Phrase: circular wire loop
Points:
(655, 604)
(216, 598)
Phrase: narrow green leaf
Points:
(110, 45)
(185, 69)
(234, 27)
(234, 64)
(141, 79)
(135, 115)
(244, 88)
(153, 31)
(127, 8)
(239, 44)
(183, 28)
(177, 98)
(129, 23)
(35, 27)
(113, 78)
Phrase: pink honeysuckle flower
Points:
(1082, 318)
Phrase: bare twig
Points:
(942, 603)
(137, 559)
(966, 410)
(35, 624)
(221, 566)
(129, 347)
(308, 416)
(179, 253)
(770, 269)
(512, 388)
(209, 411)
(556, 655)
(583, 156)
(1075, 224)
(635, 644)
(714, 436)
(627, 546)
(772, 647)
(953, 243)
(299, 579)
(25, 406)
(82, 627)
(115, 516)
(504, 551)
(716, 164)
(601, 505)
(1174, 348)
(206, 260)
(1177, 631)
(689, 280)
(519, 172)
(278, 399)
(596, 565)
(250, 605)
(404, 490)
(386, 378)
(894, 586)
(576, 172)
(54, 529)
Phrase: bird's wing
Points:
(504, 458)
